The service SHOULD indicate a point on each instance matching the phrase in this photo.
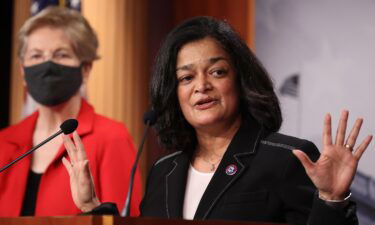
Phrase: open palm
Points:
(81, 182)
(334, 171)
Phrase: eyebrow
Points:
(58, 49)
(35, 50)
(211, 61)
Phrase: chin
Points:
(206, 122)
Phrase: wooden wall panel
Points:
(17, 95)
(118, 86)
(239, 13)
(118, 82)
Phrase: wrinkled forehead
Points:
(47, 38)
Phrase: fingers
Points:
(86, 169)
(67, 165)
(341, 132)
(76, 150)
(304, 159)
(327, 130)
(354, 132)
(70, 148)
(341, 129)
(81, 153)
(362, 147)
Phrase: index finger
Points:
(70, 147)
(81, 153)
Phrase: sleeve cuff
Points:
(338, 204)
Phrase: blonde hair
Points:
(83, 38)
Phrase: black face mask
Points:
(51, 84)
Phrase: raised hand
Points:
(81, 182)
(334, 171)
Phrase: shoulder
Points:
(9, 131)
(105, 123)
(23, 127)
(97, 124)
(282, 142)
(107, 127)
(285, 141)
(106, 138)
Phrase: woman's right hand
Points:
(81, 182)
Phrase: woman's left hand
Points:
(334, 171)
(81, 182)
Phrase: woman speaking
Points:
(219, 117)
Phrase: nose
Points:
(203, 84)
(43, 58)
(48, 57)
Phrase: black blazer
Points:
(269, 184)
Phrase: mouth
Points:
(205, 103)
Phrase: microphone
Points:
(67, 127)
(149, 119)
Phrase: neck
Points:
(51, 117)
(214, 142)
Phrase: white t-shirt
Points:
(196, 184)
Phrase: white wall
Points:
(331, 44)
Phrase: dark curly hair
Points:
(257, 97)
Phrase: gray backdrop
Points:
(321, 55)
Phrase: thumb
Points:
(304, 159)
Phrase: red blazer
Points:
(110, 152)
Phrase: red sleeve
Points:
(115, 166)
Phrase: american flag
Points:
(39, 5)
(290, 86)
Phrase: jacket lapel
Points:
(20, 137)
(15, 140)
(21, 134)
(231, 167)
(175, 185)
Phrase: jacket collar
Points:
(21, 134)
(236, 160)
(175, 185)
(86, 119)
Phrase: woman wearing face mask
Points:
(56, 49)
